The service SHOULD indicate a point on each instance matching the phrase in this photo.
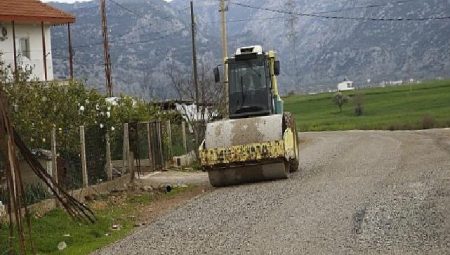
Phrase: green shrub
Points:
(428, 122)
(35, 193)
(358, 101)
(339, 100)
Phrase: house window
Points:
(24, 47)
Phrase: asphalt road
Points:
(356, 193)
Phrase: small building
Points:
(345, 86)
(25, 38)
(188, 110)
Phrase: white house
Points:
(25, 38)
(190, 112)
(345, 86)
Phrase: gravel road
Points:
(357, 192)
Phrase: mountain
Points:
(328, 50)
(144, 35)
(316, 52)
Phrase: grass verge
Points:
(122, 210)
(420, 106)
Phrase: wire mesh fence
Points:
(152, 144)
(95, 147)
(179, 139)
(69, 158)
(140, 141)
(166, 139)
(195, 135)
(116, 140)
(40, 144)
(3, 194)
(155, 145)
(34, 189)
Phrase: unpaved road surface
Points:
(356, 193)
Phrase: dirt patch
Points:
(157, 179)
(146, 204)
(165, 203)
(304, 141)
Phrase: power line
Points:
(127, 9)
(128, 43)
(242, 20)
(141, 15)
(84, 8)
(314, 15)
(155, 39)
(364, 7)
(118, 40)
(319, 12)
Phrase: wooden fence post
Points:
(83, 158)
(160, 144)
(183, 131)
(128, 154)
(126, 148)
(131, 165)
(149, 145)
(54, 156)
(169, 138)
(108, 157)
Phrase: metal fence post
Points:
(183, 131)
(108, 157)
(83, 158)
(54, 160)
(54, 156)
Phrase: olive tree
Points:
(339, 100)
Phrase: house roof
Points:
(32, 11)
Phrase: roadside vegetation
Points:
(407, 107)
(118, 214)
(36, 108)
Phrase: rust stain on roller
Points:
(243, 153)
(246, 131)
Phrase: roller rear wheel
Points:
(248, 173)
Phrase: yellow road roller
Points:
(258, 141)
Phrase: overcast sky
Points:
(73, 1)
(66, 1)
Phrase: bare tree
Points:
(212, 98)
(210, 101)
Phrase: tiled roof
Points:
(32, 11)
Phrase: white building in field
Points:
(25, 38)
(345, 86)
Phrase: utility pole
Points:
(69, 38)
(109, 89)
(194, 56)
(223, 9)
(292, 21)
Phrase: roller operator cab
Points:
(258, 141)
(251, 92)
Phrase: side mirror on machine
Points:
(277, 68)
(216, 74)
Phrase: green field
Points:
(56, 226)
(419, 106)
